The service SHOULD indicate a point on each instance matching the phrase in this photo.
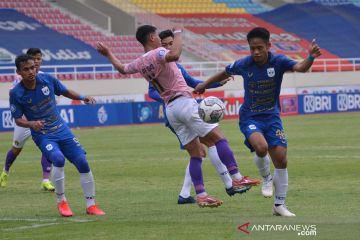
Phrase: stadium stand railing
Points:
(196, 69)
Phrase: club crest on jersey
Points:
(45, 90)
(271, 72)
(49, 147)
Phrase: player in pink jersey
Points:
(158, 66)
(21, 135)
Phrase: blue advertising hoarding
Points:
(19, 32)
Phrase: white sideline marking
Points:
(30, 227)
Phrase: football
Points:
(211, 110)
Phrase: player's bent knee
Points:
(57, 159)
(81, 164)
(261, 149)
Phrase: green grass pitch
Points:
(139, 171)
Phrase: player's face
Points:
(37, 60)
(167, 42)
(259, 50)
(27, 71)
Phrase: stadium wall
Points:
(140, 86)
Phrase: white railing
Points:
(198, 69)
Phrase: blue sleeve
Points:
(15, 107)
(154, 94)
(236, 68)
(193, 82)
(287, 64)
(59, 88)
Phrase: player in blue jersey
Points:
(167, 39)
(34, 97)
(21, 135)
(260, 113)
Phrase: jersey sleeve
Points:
(236, 67)
(131, 68)
(15, 107)
(160, 54)
(287, 64)
(59, 88)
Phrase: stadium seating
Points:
(126, 48)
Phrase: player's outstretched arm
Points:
(35, 125)
(174, 54)
(106, 52)
(218, 77)
(314, 52)
(76, 96)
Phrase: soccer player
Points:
(158, 66)
(260, 113)
(34, 97)
(21, 135)
(167, 39)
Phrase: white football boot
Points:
(281, 210)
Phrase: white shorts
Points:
(20, 136)
(183, 117)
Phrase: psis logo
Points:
(49, 147)
(45, 90)
(102, 115)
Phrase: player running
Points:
(34, 97)
(260, 113)
(21, 135)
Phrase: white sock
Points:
(280, 180)
(263, 165)
(88, 186)
(58, 178)
(220, 167)
(186, 188)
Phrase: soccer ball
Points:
(211, 110)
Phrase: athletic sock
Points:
(88, 186)
(280, 180)
(186, 188)
(58, 178)
(220, 167)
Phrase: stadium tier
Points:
(125, 47)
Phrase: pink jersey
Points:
(164, 76)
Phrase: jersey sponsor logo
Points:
(7, 120)
(271, 72)
(252, 126)
(45, 90)
(49, 147)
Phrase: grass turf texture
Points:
(139, 171)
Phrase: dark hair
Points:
(21, 59)
(143, 32)
(259, 32)
(33, 51)
(165, 34)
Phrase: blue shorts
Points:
(65, 142)
(269, 126)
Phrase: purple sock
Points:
(227, 156)
(196, 174)
(46, 166)
(10, 158)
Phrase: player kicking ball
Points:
(34, 98)
(158, 66)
